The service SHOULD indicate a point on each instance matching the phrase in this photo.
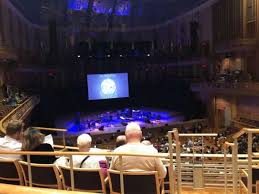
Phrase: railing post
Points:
(64, 139)
(179, 174)
(178, 161)
(235, 166)
(121, 176)
(225, 168)
(234, 160)
(171, 164)
(249, 153)
(72, 178)
(29, 169)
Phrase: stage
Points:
(116, 120)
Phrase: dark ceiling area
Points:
(150, 11)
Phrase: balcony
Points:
(239, 88)
(21, 112)
(235, 45)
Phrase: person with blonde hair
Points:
(33, 140)
(133, 136)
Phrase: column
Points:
(244, 5)
(234, 108)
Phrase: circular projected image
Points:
(108, 87)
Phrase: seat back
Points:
(10, 172)
(43, 175)
(91, 180)
(255, 174)
(135, 182)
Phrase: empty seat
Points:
(91, 180)
(135, 182)
(43, 175)
(255, 178)
(10, 172)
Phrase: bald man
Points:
(120, 140)
(133, 136)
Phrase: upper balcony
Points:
(239, 88)
(235, 45)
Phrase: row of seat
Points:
(255, 180)
(90, 180)
(4, 110)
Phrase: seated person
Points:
(33, 140)
(120, 140)
(133, 136)
(147, 143)
(84, 142)
(11, 141)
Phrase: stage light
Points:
(121, 56)
(148, 55)
(78, 56)
(108, 56)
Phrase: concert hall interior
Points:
(129, 96)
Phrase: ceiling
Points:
(155, 11)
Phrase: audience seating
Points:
(136, 182)
(43, 175)
(10, 172)
(90, 180)
(166, 181)
(255, 179)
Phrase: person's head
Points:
(120, 140)
(14, 129)
(84, 142)
(32, 138)
(146, 142)
(133, 133)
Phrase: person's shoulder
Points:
(121, 148)
(2, 139)
(96, 150)
(149, 148)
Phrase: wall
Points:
(18, 35)
(248, 107)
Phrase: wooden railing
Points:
(174, 134)
(63, 131)
(250, 155)
(20, 112)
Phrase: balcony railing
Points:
(251, 87)
(20, 112)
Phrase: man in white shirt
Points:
(11, 141)
(133, 135)
(84, 142)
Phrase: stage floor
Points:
(116, 120)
